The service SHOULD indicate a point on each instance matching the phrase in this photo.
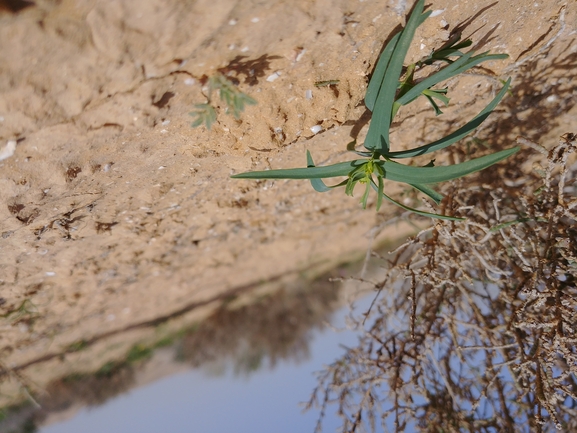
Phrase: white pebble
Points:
(437, 12)
(8, 150)
(316, 129)
(255, 20)
(300, 55)
(309, 94)
(273, 76)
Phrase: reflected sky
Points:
(266, 400)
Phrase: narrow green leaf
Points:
(442, 56)
(480, 58)
(416, 176)
(392, 170)
(448, 49)
(434, 195)
(379, 73)
(418, 212)
(378, 134)
(442, 75)
(466, 43)
(380, 192)
(366, 195)
(350, 186)
(462, 64)
(455, 136)
(435, 106)
(339, 169)
(438, 94)
(427, 175)
(317, 184)
(377, 79)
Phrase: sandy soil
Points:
(114, 211)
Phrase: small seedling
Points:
(388, 90)
(234, 99)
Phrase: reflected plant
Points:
(272, 328)
(78, 346)
(474, 326)
(389, 90)
(235, 100)
(26, 312)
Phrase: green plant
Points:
(27, 312)
(229, 94)
(388, 90)
(473, 326)
(77, 346)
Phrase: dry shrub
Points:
(474, 325)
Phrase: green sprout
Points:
(205, 114)
(388, 90)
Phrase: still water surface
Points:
(200, 400)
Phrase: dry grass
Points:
(474, 325)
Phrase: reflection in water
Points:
(475, 325)
(275, 327)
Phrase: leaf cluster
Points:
(391, 87)
(235, 100)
